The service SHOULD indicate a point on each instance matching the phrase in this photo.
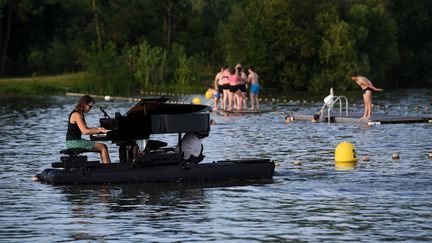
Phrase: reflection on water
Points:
(377, 200)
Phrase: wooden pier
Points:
(376, 118)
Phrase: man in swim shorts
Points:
(254, 88)
(367, 88)
(218, 86)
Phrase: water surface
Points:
(379, 200)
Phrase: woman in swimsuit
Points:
(242, 85)
(224, 81)
(367, 87)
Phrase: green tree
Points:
(108, 71)
(414, 40)
(151, 65)
(337, 56)
(374, 31)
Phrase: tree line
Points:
(127, 46)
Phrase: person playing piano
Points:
(78, 126)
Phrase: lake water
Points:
(379, 200)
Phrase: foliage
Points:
(313, 45)
(151, 65)
(127, 46)
(107, 70)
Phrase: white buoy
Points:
(328, 100)
(395, 156)
(296, 162)
(107, 97)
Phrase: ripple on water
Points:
(378, 200)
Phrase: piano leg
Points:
(130, 152)
(123, 153)
(126, 152)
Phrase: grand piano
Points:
(153, 116)
(154, 161)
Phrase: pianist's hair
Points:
(84, 100)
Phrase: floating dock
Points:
(241, 112)
(376, 119)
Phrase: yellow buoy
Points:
(196, 101)
(345, 153)
(366, 158)
(345, 165)
(208, 94)
(297, 162)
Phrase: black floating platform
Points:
(376, 118)
(252, 169)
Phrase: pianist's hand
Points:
(102, 130)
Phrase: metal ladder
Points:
(331, 103)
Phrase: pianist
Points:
(78, 126)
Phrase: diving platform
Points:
(376, 118)
(332, 104)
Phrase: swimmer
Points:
(288, 119)
(315, 118)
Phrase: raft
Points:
(95, 173)
(376, 119)
(242, 112)
(146, 160)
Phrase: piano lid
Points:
(158, 106)
(155, 116)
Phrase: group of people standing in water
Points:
(231, 86)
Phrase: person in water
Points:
(367, 87)
(315, 118)
(288, 119)
(78, 126)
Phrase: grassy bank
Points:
(41, 85)
(75, 82)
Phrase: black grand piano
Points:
(145, 160)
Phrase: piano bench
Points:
(74, 151)
(76, 158)
(155, 144)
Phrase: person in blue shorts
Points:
(254, 88)
(78, 126)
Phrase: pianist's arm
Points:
(78, 118)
